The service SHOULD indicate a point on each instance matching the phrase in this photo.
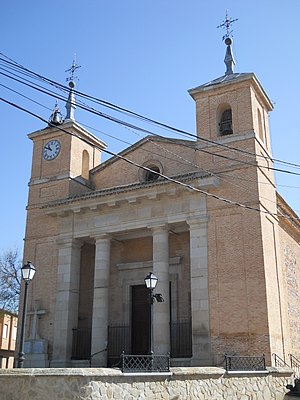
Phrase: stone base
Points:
(107, 383)
(36, 361)
(60, 364)
(80, 363)
(36, 353)
(180, 362)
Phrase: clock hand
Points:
(48, 148)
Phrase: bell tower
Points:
(233, 143)
(231, 111)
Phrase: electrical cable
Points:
(170, 179)
(26, 97)
(129, 125)
(148, 139)
(115, 107)
(217, 175)
(156, 144)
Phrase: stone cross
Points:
(35, 314)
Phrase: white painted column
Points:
(161, 311)
(199, 292)
(67, 297)
(100, 304)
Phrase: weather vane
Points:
(226, 24)
(72, 70)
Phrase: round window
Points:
(153, 174)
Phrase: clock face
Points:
(51, 150)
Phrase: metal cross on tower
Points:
(226, 24)
(72, 70)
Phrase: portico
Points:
(123, 249)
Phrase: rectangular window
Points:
(14, 333)
(5, 331)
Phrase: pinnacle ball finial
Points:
(229, 60)
(71, 104)
(228, 41)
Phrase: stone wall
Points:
(181, 384)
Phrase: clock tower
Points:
(63, 154)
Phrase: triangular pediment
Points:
(167, 156)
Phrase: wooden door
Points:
(140, 324)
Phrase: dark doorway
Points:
(140, 320)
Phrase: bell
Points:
(226, 128)
(56, 118)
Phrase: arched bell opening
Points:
(224, 120)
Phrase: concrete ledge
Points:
(198, 372)
(60, 372)
(188, 372)
(248, 373)
(147, 374)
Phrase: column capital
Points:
(155, 228)
(69, 242)
(197, 220)
(102, 237)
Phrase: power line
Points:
(187, 162)
(148, 139)
(156, 144)
(25, 97)
(47, 92)
(170, 179)
(146, 119)
(146, 131)
(217, 175)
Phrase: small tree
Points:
(10, 280)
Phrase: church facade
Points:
(203, 215)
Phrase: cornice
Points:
(132, 193)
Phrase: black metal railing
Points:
(181, 339)
(119, 338)
(145, 363)
(295, 365)
(245, 363)
(279, 362)
(81, 344)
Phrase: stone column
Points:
(161, 311)
(199, 292)
(67, 296)
(100, 304)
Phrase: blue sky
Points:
(143, 55)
